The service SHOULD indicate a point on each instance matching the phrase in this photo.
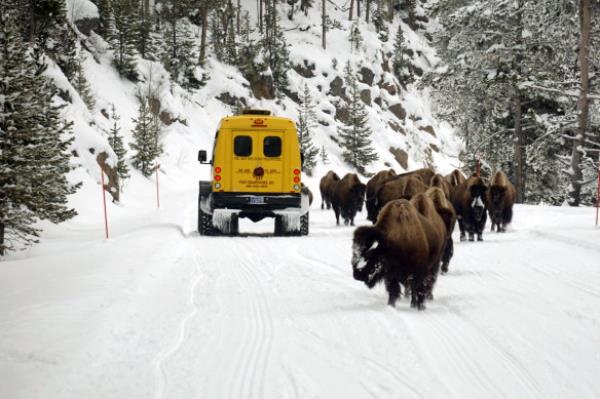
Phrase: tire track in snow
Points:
(160, 373)
(253, 364)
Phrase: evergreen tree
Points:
(356, 39)
(178, 55)
(146, 136)
(324, 156)
(122, 37)
(145, 42)
(248, 50)
(116, 143)
(274, 48)
(104, 17)
(305, 5)
(398, 63)
(217, 39)
(380, 23)
(34, 157)
(307, 121)
(80, 83)
(355, 133)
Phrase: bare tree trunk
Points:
(368, 10)
(390, 10)
(260, 17)
(519, 153)
(237, 13)
(204, 16)
(324, 23)
(351, 10)
(358, 9)
(585, 21)
(1, 238)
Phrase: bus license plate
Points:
(257, 200)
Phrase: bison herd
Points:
(413, 216)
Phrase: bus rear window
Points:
(242, 146)
(272, 146)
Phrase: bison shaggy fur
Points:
(403, 187)
(445, 209)
(347, 198)
(501, 198)
(326, 186)
(402, 246)
(372, 186)
(469, 200)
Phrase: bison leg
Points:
(418, 291)
(471, 236)
(461, 226)
(393, 288)
(337, 215)
(447, 255)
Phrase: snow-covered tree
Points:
(355, 132)
(81, 84)
(146, 136)
(379, 21)
(274, 49)
(145, 42)
(355, 38)
(399, 64)
(122, 37)
(115, 139)
(323, 156)
(34, 142)
(307, 121)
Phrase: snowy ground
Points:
(159, 312)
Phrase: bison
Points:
(326, 186)
(469, 200)
(347, 198)
(440, 181)
(372, 186)
(444, 208)
(501, 198)
(455, 178)
(402, 187)
(402, 246)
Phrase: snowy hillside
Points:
(405, 133)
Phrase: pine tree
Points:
(307, 121)
(34, 157)
(324, 156)
(178, 55)
(122, 37)
(274, 48)
(355, 133)
(116, 143)
(145, 42)
(380, 23)
(305, 5)
(356, 39)
(146, 136)
(398, 63)
(104, 17)
(80, 83)
(248, 50)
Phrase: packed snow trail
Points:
(158, 311)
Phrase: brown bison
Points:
(326, 187)
(372, 186)
(347, 198)
(444, 208)
(469, 200)
(440, 181)
(501, 198)
(403, 246)
(401, 187)
(455, 178)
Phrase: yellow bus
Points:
(256, 173)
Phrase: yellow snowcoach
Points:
(256, 173)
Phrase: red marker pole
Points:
(478, 166)
(157, 190)
(104, 203)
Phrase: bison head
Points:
(366, 256)
(478, 206)
(358, 195)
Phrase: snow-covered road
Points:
(159, 312)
